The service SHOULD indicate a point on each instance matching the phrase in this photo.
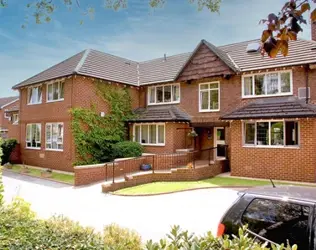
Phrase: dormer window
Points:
(164, 94)
(34, 95)
(55, 91)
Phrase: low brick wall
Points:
(183, 174)
(85, 175)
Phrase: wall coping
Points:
(91, 166)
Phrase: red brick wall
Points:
(277, 163)
(14, 129)
(313, 31)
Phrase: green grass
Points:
(37, 172)
(165, 187)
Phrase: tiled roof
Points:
(7, 100)
(112, 68)
(160, 113)
(273, 108)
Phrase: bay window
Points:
(209, 97)
(33, 136)
(34, 95)
(164, 94)
(150, 134)
(268, 84)
(55, 91)
(271, 133)
(54, 136)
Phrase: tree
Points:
(285, 26)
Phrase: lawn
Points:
(165, 187)
(37, 172)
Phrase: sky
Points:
(137, 33)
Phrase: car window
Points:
(278, 221)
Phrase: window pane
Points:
(176, 93)
(248, 85)
(167, 93)
(204, 100)
(137, 134)
(204, 86)
(285, 82)
(161, 134)
(278, 221)
(39, 94)
(48, 133)
(144, 133)
(55, 90)
(213, 85)
(291, 133)
(259, 85)
(262, 133)
(37, 133)
(152, 95)
(61, 90)
(50, 92)
(152, 134)
(277, 133)
(159, 94)
(28, 133)
(250, 129)
(272, 83)
(34, 92)
(60, 133)
(214, 99)
(29, 98)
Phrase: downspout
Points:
(307, 83)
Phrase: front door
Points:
(219, 142)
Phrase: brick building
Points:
(260, 109)
(9, 117)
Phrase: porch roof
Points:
(273, 108)
(160, 114)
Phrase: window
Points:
(278, 83)
(278, 221)
(209, 97)
(34, 95)
(149, 134)
(55, 91)
(164, 94)
(33, 136)
(54, 136)
(15, 119)
(276, 133)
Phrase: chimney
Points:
(314, 31)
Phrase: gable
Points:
(204, 63)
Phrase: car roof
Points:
(291, 192)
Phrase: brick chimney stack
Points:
(314, 31)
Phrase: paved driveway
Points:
(197, 211)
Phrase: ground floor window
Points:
(33, 135)
(271, 133)
(54, 136)
(150, 134)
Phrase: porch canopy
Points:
(160, 114)
(287, 107)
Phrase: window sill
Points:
(209, 111)
(162, 103)
(31, 104)
(54, 150)
(33, 148)
(59, 100)
(263, 96)
(153, 145)
(272, 147)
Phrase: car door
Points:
(279, 221)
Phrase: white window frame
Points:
(269, 146)
(51, 142)
(5, 114)
(59, 93)
(17, 120)
(266, 73)
(140, 133)
(163, 97)
(209, 96)
(28, 94)
(40, 135)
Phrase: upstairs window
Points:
(33, 135)
(55, 91)
(209, 97)
(270, 84)
(164, 94)
(34, 95)
(15, 119)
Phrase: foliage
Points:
(7, 147)
(1, 184)
(94, 135)
(42, 10)
(285, 26)
(118, 238)
(179, 239)
(127, 149)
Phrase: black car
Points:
(275, 215)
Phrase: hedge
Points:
(7, 147)
(127, 149)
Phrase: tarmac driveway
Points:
(197, 211)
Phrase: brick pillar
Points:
(314, 31)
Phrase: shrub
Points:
(7, 147)
(127, 149)
(118, 238)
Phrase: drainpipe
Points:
(307, 83)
